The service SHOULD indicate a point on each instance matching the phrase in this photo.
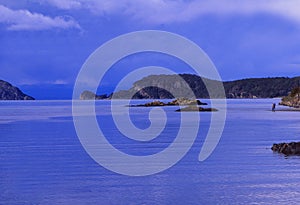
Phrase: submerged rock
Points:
(292, 148)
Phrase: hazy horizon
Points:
(65, 91)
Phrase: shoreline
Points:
(288, 110)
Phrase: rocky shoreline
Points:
(292, 148)
(293, 99)
(290, 103)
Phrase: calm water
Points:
(43, 162)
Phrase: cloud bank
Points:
(25, 20)
(146, 11)
(169, 11)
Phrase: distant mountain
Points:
(164, 86)
(245, 88)
(9, 92)
(88, 95)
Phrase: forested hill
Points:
(246, 88)
(261, 87)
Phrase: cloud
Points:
(168, 11)
(25, 20)
(27, 81)
(59, 82)
(63, 4)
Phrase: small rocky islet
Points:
(192, 105)
(192, 108)
(178, 101)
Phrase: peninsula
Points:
(245, 88)
(9, 92)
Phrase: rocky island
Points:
(178, 101)
(192, 105)
(193, 108)
(9, 92)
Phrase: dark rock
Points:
(292, 148)
(9, 92)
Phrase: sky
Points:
(44, 43)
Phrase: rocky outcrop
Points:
(290, 102)
(179, 101)
(292, 148)
(186, 101)
(88, 95)
(293, 99)
(191, 105)
(193, 108)
(9, 92)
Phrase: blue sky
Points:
(45, 42)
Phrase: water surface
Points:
(43, 162)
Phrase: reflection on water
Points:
(43, 162)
